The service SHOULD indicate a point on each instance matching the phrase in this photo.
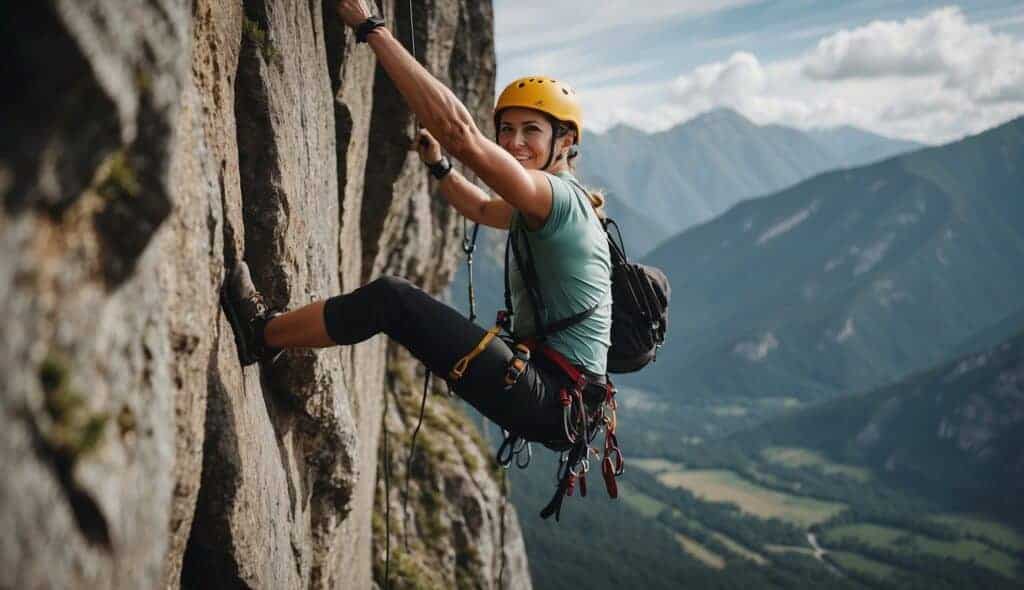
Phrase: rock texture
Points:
(153, 144)
(438, 529)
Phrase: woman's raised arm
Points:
(447, 119)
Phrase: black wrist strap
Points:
(441, 168)
(363, 30)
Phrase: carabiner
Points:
(529, 456)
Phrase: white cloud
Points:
(912, 47)
(970, 58)
(532, 24)
(740, 75)
(933, 79)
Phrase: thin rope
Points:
(412, 39)
(408, 462)
(387, 453)
(412, 31)
(502, 515)
(387, 499)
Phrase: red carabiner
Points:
(608, 471)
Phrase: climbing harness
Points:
(588, 401)
(516, 365)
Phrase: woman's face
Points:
(526, 134)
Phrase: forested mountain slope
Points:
(850, 279)
(954, 433)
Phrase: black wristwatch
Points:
(440, 168)
(363, 30)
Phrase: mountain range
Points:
(662, 183)
(846, 282)
(685, 175)
(849, 279)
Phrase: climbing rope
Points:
(387, 500)
(387, 455)
(408, 463)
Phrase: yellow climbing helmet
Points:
(543, 94)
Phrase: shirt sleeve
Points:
(561, 207)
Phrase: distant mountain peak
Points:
(623, 129)
(721, 115)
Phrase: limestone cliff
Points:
(149, 145)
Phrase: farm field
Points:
(739, 549)
(720, 485)
(902, 541)
(697, 550)
(799, 457)
(852, 562)
(647, 506)
(789, 549)
(989, 531)
(656, 465)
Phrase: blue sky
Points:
(928, 71)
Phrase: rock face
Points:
(152, 145)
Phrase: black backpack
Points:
(640, 297)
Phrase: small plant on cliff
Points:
(259, 37)
(72, 431)
(117, 178)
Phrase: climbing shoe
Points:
(248, 316)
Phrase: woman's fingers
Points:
(353, 12)
(428, 147)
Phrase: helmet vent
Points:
(565, 92)
(521, 84)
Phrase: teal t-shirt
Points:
(574, 270)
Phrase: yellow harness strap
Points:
(460, 367)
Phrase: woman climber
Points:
(559, 245)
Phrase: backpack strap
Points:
(528, 272)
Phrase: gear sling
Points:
(587, 400)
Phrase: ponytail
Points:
(597, 202)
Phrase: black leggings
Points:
(439, 336)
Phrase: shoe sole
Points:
(245, 356)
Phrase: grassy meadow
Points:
(721, 485)
(903, 541)
(766, 488)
